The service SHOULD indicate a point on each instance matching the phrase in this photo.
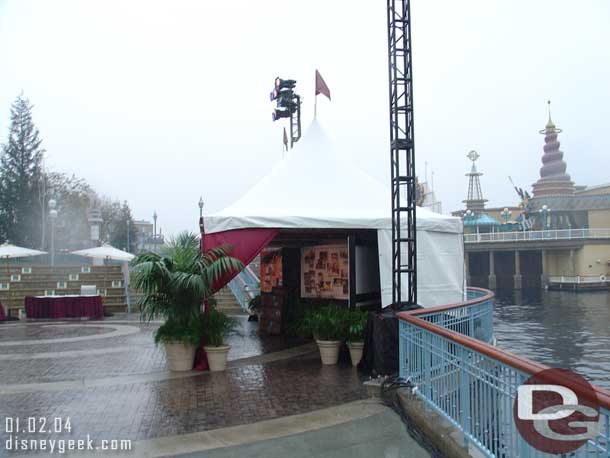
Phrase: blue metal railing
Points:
(472, 384)
(474, 320)
(244, 287)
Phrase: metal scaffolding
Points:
(404, 255)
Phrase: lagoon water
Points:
(557, 328)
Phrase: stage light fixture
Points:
(279, 114)
(284, 84)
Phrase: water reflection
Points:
(559, 329)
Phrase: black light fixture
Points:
(288, 104)
(282, 84)
(279, 114)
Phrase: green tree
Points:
(20, 178)
(117, 220)
(73, 196)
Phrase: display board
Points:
(271, 270)
(325, 272)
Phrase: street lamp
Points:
(506, 214)
(155, 232)
(155, 226)
(53, 217)
(544, 214)
(200, 207)
(128, 244)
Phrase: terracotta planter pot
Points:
(329, 351)
(355, 352)
(217, 357)
(180, 356)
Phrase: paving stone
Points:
(143, 410)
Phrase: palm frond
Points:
(174, 285)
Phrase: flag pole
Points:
(315, 106)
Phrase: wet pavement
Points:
(111, 380)
(380, 435)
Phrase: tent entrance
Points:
(318, 266)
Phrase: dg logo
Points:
(556, 411)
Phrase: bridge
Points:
(537, 239)
(555, 252)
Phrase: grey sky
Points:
(159, 102)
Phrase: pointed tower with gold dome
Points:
(553, 181)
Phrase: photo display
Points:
(271, 270)
(325, 272)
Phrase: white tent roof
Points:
(316, 187)
(105, 252)
(8, 251)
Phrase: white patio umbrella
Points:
(109, 252)
(8, 251)
(105, 252)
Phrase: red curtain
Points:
(244, 244)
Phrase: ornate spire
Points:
(475, 200)
(553, 177)
(550, 124)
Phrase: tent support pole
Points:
(351, 257)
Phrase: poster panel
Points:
(325, 272)
(271, 270)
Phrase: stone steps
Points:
(46, 278)
(227, 303)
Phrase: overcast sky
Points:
(159, 102)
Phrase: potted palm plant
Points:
(216, 326)
(355, 334)
(327, 325)
(173, 286)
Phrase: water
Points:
(559, 329)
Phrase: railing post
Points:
(426, 366)
(402, 370)
(464, 395)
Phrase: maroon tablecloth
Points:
(2, 315)
(64, 307)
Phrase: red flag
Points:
(321, 87)
(285, 139)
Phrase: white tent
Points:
(316, 187)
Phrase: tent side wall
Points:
(440, 267)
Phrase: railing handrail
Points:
(487, 295)
(523, 364)
(578, 278)
(547, 234)
(251, 272)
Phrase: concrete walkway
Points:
(357, 429)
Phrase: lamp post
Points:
(154, 240)
(53, 217)
(155, 226)
(468, 215)
(544, 214)
(128, 244)
(200, 207)
(506, 214)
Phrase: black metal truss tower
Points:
(404, 252)
(295, 122)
